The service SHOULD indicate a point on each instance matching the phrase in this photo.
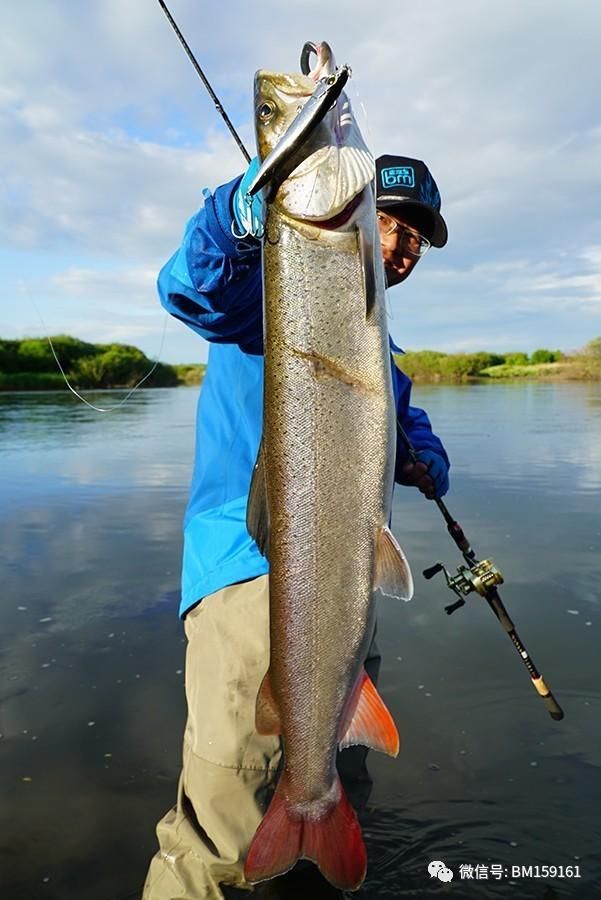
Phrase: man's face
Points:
(400, 242)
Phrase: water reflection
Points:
(521, 433)
(52, 442)
(91, 696)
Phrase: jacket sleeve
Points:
(415, 422)
(213, 282)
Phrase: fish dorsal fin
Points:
(267, 717)
(392, 573)
(371, 724)
(257, 512)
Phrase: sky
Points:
(107, 139)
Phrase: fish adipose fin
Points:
(257, 512)
(332, 839)
(371, 723)
(267, 717)
(392, 572)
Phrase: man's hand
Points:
(248, 217)
(429, 474)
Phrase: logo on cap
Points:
(398, 176)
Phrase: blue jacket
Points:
(213, 284)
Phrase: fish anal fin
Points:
(257, 512)
(392, 573)
(371, 724)
(267, 717)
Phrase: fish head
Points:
(278, 100)
(332, 166)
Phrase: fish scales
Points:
(329, 479)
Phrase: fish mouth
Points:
(340, 218)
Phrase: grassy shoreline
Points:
(430, 367)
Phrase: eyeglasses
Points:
(414, 243)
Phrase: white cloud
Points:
(138, 286)
(107, 139)
(72, 190)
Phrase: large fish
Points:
(320, 500)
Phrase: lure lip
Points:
(278, 164)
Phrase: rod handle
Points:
(553, 707)
(555, 710)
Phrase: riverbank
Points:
(30, 365)
(431, 367)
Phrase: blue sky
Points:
(107, 139)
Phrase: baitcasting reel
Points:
(480, 577)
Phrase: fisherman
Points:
(213, 284)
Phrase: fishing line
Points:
(25, 289)
(364, 127)
(102, 409)
(353, 93)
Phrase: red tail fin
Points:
(332, 840)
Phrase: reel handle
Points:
(433, 570)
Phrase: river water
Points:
(92, 651)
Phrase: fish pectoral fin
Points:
(267, 717)
(257, 511)
(366, 252)
(371, 725)
(392, 573)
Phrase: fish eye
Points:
(266, 111)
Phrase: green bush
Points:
(122, 366)
(460, 366)
(35, 356)
(163, 376)
(545, 356)
(118, 366)
(516, 359)
(31, 381)
(421, 364)
(29, 364)
(429, 365)
(9, 356)
(190, 374)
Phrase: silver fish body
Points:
(321, 495)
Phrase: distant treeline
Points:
(29, 365)
(431, 365)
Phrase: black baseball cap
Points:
(405, 182)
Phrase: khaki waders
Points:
(229, 770)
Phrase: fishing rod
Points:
(481, 576)
(205, 81)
